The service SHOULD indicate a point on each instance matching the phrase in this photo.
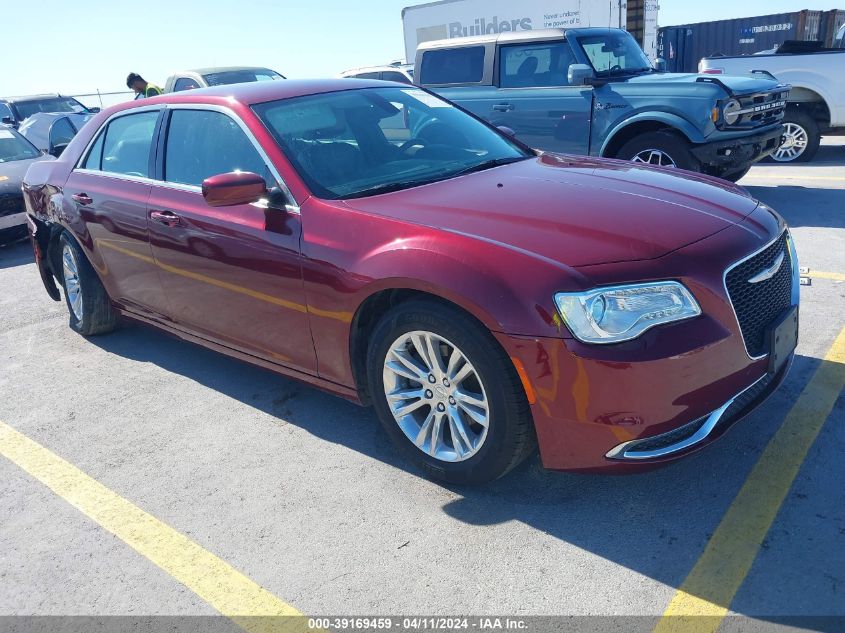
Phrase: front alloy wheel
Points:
(654, 157)
(794, 143)
(436, 396)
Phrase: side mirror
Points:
(580, 75)
(7, 120)
(233, 188)
(94, 110)
(506, 130)
(660, 65)
(56, 150)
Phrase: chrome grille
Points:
(757, 305)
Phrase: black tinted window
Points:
(126, 149)
(203, 143)
(453, 66)
(61, 132)
(184, 83)
(365, 76)
(536, 64)
(392, 75)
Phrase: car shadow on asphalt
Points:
(655, 523)
(804, 206)
(16, 254)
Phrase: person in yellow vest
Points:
(141, 86)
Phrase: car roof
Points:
(223, 69)
(21, 99)
(256, 92)
(512, 37)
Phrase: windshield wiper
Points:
(488, 164)
(388, 187)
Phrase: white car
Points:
(816, 103)
(218, 76)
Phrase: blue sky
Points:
(85, 45)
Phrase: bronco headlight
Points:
(730, 113)
(621, 313)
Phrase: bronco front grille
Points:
(759, 110)
(757, 305)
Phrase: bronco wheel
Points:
(447, 394)
(87, 302)
(666, 149)
(801, 138)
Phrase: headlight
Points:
(620, 313)
(730, 113)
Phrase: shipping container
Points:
(684, 45)
(460, 18)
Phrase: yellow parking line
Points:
(818, 274)
(211, 578)
(703, 599)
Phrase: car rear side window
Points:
(204, 143)
(392, 75)
(463, 65)
(365, 76)
(535, 64)
(125, 146)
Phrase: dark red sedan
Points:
(376, 241)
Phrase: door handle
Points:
(82, 198)
(503, 107)
(167, 218)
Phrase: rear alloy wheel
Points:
(447, 394)
(87, 302)
(663, 149)
(801, 138)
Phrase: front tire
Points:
(802, 138)
(447, 394)
(87, 302)
(663, 148)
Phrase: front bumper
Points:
(741, 152)
(669, 392)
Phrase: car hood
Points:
(737, 84)
(574, 210)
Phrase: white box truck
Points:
(461, 18)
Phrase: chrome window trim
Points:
(290, 208)
(792, 262)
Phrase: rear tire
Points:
(802, 138)
(734, 176)
(433, 420)
(89, 306)
(660, 148)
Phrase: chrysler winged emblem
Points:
(768, 273)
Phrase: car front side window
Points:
(204, 143)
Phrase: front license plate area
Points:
(783, 338)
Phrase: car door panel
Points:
(231, 274)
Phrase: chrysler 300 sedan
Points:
(378, 242)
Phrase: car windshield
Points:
(614, 54)
(59, 104)
(14, 147)
(227, 77)
(362, 142)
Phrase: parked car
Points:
(218, 76)
(16, 155)
(593, 91)
(816, 102)
(15, 110)
(476, 293)
(51, 132)
(396, 71)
